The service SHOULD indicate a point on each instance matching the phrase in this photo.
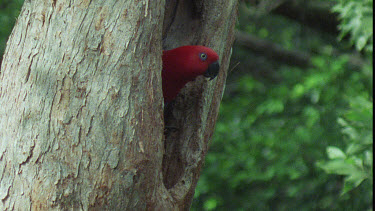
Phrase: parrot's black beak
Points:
(212, 71)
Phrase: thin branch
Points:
(272, 50)
(315, 14)
(291, 57)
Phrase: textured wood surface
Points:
(81, 113)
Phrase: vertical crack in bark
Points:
(29, 68)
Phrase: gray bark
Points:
(81, 112)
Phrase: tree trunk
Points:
(81, 116)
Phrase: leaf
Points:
(354, 148)
(338, 166)
(298, 91)
(351, 132)
(368, 159)
(210, 204)
(353, 181)
(342, 122)
(361, 42)
(335, 153)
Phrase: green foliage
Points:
(356, 163)
(269, 137)
(9, 10)
(276, 129)
(357, 20)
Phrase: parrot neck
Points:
(172, 84)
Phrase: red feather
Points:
(184, 64)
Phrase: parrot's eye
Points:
(203, 56)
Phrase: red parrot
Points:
(184, 64)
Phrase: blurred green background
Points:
(295, 124)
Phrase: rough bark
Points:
(81, 116)
(209, 23)
(77, 129)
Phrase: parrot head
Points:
(184, 64)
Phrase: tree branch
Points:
(272, 50)
(278, 53)
(315, 14)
